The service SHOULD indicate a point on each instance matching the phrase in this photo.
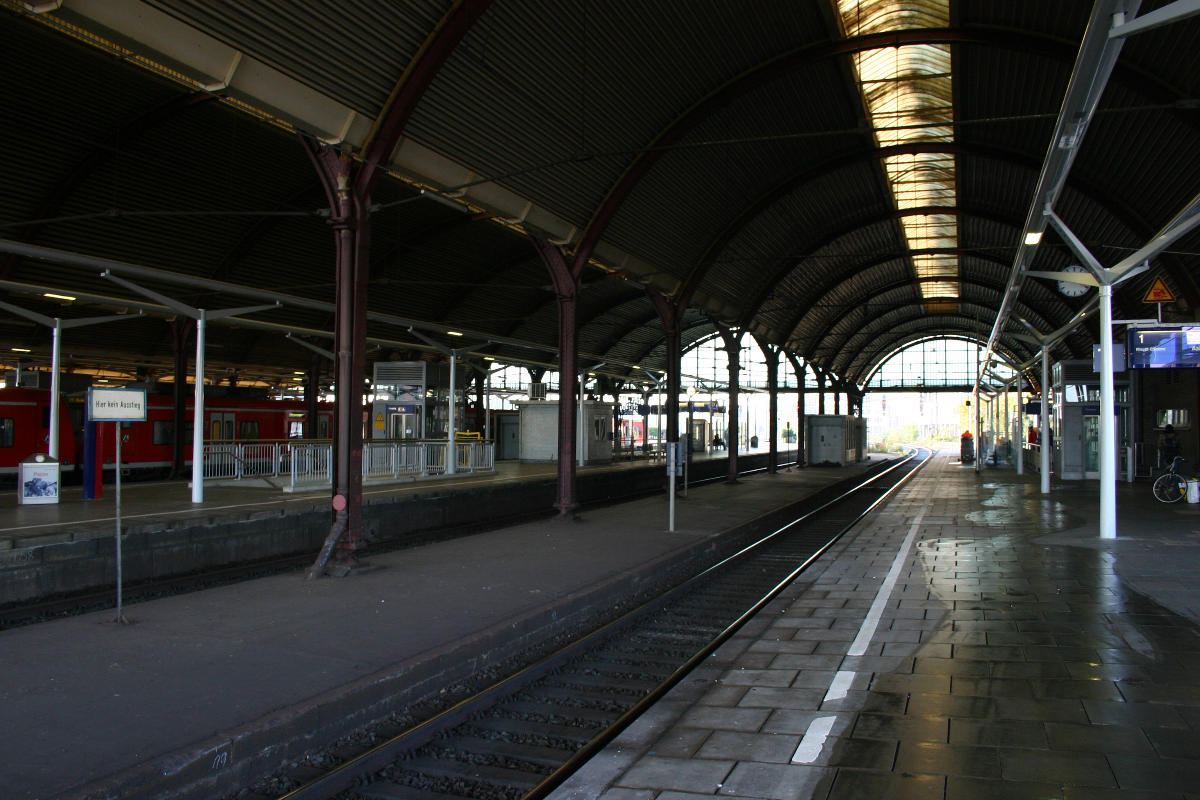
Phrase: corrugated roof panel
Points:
(573, 88)
(352, 51)
(778, 130)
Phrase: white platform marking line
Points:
(814, 740)
(840, 686)
(818, 730)
(871, 623)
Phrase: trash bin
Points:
(754, 441)
(966, 449)
(1193, 491)
(38, 481)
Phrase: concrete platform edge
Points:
(231, 759)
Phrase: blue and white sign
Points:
(116, 405)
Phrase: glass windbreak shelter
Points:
(1076, 422)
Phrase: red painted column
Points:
(733, 346)
(801, 374)
(351, 224)
(771, 354)
(566, 286)
(670, 314)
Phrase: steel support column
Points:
(1044, 422)
(1019, 449)
(1108, 419)
(801, 376)
(771, 354)
(670, 314)
(733, 350)
(565, 278)
(351, 225)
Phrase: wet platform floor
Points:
(1013, 656)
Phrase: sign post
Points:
(1159, 293)
(117, 406)
(671, 486)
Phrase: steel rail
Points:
(347, 775)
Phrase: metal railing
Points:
(237, 460)
(308, 462)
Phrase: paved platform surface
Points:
(84, 698)
(1015, 656)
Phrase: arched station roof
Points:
(735, 157)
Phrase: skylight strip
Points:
(908, 94)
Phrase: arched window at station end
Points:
(946, 363)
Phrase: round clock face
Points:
(1073, 289)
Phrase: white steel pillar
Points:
(55, 361)
(1008, 426)
(198, 415)
(487, 406)
(1108, 421)
(1044, 421)
(978, 444)
(1020, 440)
(451, 444)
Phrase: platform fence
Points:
(296, 464)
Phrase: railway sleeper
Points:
(567, 705)
(612, 685)
(537, 757)
(534, 710)
(547, 734)
(472, 780)
(384, 790)
(625, 681)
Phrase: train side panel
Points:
(147, 448)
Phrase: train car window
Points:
(46, 417)
(295, 429)
(7, 431)
(248, 429)
(164, 432)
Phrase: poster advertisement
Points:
(39, 483)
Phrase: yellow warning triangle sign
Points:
(1159, 293)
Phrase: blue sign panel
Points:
(1164, 348)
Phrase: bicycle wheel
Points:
(1170, 488)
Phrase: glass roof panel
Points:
(908, 95)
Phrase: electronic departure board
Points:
(1154, 348)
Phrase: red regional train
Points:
(146, 447)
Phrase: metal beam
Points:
(1180, 9)
(1093, 67)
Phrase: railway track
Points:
(519, 739)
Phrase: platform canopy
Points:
(838, 177)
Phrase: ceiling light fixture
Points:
(54, 296)
(1033, 238)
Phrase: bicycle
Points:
(1171, 487)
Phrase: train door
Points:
(221, 426)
